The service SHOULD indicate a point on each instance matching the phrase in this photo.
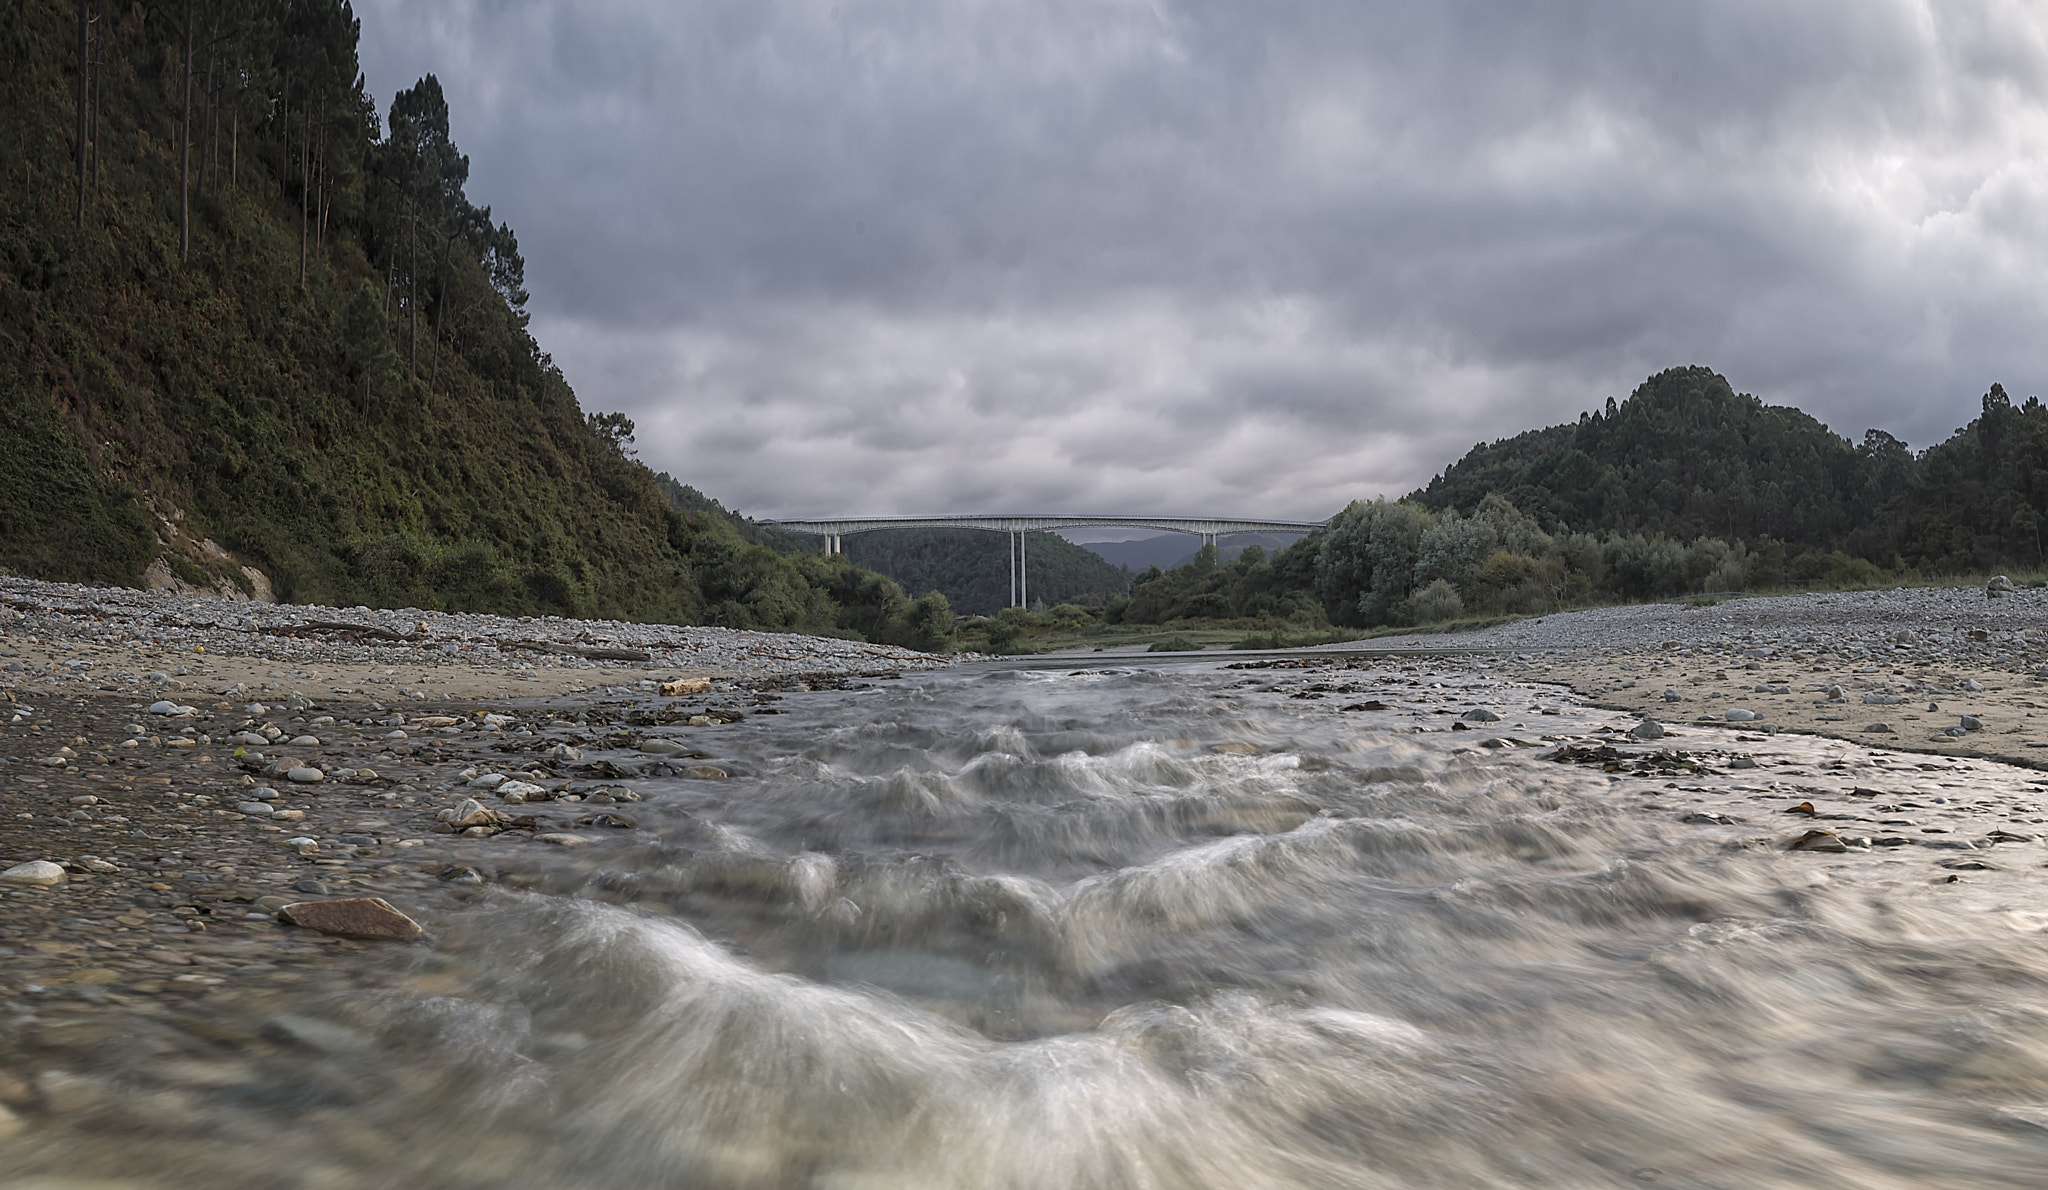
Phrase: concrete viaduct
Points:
(1207, 528)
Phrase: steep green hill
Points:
(1684, 455)
(250, 333)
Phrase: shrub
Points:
(1436, 603)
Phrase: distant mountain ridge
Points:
(1168, 550)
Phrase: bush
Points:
(1003, 636)
(1436, 603)
(1173, 644)
(926, 625)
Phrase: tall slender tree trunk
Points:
(185, 150)
(305, 162)
(326, 191)
(99, 94)
(206, 154)
(440, 318)
(235, 144)
(84, 83)
(412, 283)
(391, 263)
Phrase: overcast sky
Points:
(1255, 258)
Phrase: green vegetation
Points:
(972, 568)
(1685, 489)
(1686, 457)
(242, 324)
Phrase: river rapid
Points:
(1188, 925)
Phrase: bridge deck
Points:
(1202, 526)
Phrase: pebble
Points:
(304, 776)
(1480, 715)
(312, 886)
(561, 840)
(705, 772)
(353, 917)
(467, 813)
(1648, 729)
(1738, 714)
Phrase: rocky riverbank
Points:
(67, 640)
(1940, 670)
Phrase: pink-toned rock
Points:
(354, 917)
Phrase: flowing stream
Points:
(1172, 926)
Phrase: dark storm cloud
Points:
(1077, 255)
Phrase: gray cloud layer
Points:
(879, 256)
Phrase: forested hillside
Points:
(1686, 487)
(971, 566)
(254, 330)
(1684, 455)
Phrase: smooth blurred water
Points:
(1167, 927)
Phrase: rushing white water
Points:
(1172, 928)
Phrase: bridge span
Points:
(1207, 528)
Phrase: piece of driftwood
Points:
(584, 651)
(369, 630)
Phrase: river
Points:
(1189, 925)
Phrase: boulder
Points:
(36, 873)
(1648, 729)
(685, 686)
(1999, 587)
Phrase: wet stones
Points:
(469, 812)
(1648, 729)
(369, 918)
(1480, 715)
(1818, 840)
(682, 687)
(304, 776)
